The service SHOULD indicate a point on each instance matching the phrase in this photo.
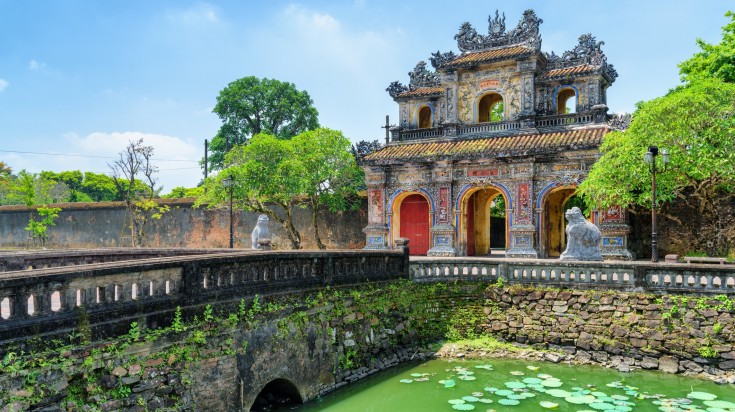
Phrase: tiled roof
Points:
(520, 145)
(568, 71)
(422, 91)
(488, 55)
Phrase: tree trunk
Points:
(291, 231)
(315, 224)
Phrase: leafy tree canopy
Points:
(695, 124)
(181, 192)
(249, 106)
(330, 172)
(714, 60)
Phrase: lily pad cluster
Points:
(521, 387)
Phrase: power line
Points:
(90, 156)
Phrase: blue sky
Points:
(83, 78)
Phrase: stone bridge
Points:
(49, 296)
(208, 360)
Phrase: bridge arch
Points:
(277, 393)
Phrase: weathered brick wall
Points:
(91, 225)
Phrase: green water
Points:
(611, 390)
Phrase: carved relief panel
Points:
(375, 207)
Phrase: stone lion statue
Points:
(260, 231)
(583, 238)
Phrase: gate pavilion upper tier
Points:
(491, 145)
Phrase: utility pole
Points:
(206, 158)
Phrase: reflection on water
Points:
(486, 385)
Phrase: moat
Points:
(508, 385)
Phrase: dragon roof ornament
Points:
(438, 59)
(419, 77)
(620, 121)
(526, 32)
(588, 51)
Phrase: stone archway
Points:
(480, 232)
(553, 237)
(277, 393)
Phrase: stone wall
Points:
(671, 333)
(302, 345)
(221, 361)
(93, 225)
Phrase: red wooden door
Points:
(415, 224)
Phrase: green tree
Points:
(39, 228)
(101, 188)
(695, 124)
(72, 181)
(714, 60)
(181, 192)
(331, 175)
(497, 112)
(249, 106)
(27, 189)
(267, 179)
(136, 160)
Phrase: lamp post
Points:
(227, 182)
(650, 158)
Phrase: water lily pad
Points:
(720, 404)
(478, 394)
(485, 400)
(545, 376)
(515, 385)
(463, 406)
(456, 401)
(450, 383)
(532, 368)
(580, 399)
(466, 377)
(548, 405)
(508, 402)
(551, 383)
(702, 396)
(470, 398)
(528, 394)
(531, 381)
(418, 375)
(602, 406)
(558, 393)
(490, 389)
(516, 396)
(504, 392)
(406, 380)
(517, 373)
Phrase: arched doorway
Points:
(556, 203)
(425, 117)
(566, 101)
(276, 394)
(484, 224)
(413, 220)
(490, 108)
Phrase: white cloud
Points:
(35, 65)
(197, 14)
(176, 158)
(322, 36)
(3, 84)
